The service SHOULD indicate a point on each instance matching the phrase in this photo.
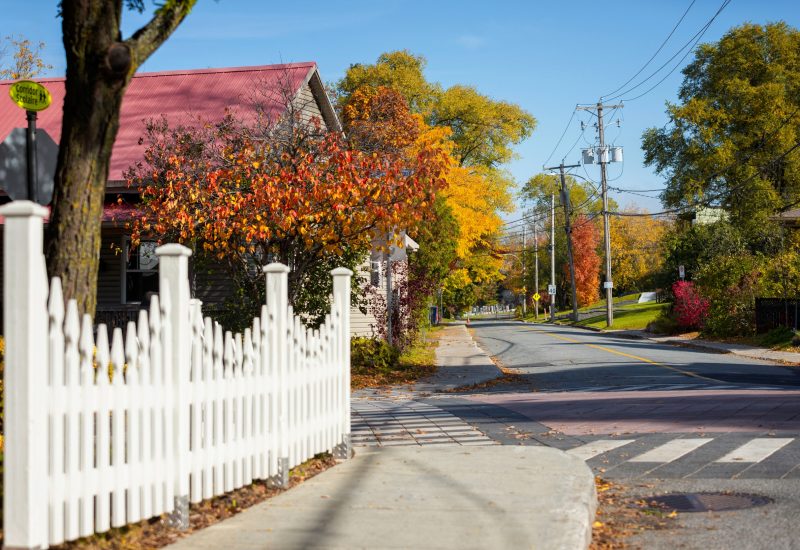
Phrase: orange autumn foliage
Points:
(585, 239)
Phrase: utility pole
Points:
(536, 268)
(603, 158)
(524, 288)
(552, 289)
(568, 228)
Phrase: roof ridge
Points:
(178, 72)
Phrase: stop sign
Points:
(14, 165)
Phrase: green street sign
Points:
(30, 95)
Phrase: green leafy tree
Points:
(730, 138)
(401, 71)
(484, 130)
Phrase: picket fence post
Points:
(341, 303)
(173, 270)
(277, 295)
(25, 322)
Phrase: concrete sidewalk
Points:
(424, 497)
(457, 494)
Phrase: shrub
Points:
(663, 324)
(690, 309)
(778, 337)
(370, 355)
(730, 283)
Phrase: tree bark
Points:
(99, 67)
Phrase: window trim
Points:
(126, 243)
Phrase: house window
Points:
(141, 272)
(375, 273)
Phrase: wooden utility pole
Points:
(552, 288)
(603, 160)
(568, 229)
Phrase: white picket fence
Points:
(172, 411)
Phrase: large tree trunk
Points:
(99, 68)
(89, 126)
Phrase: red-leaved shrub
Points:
(690, 309)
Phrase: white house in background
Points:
(374, 269)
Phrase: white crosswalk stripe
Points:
(596, 448)
(672, 450)
(757, 449)
(753, 451)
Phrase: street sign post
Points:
(33, 97)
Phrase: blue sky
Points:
(544, 56)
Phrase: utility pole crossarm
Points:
(591, 108)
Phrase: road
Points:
(656, 418)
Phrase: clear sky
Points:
(544, 56)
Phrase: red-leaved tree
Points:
(585, 238)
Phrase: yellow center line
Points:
(623, 354)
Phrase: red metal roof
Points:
(182, 96)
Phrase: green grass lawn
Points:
(631, 317)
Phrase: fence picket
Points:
(118, 406)
(196, 402)
(133, 434)
(88, 407)
(156, 380)
(57, 403)
(208, 409)
(73, 404)
(218, 388)
(146, 407)
(103, 505)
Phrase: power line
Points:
(655, 54)
(690, 44)
(561, 138)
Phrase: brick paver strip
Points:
(701, 411)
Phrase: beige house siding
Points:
(307, 105)
(363, 324)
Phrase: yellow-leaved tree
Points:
(636, 251)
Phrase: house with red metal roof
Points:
(183, 98)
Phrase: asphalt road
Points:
(656, 419)
(559, 358)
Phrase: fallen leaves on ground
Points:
(618, 517)
(156, 532)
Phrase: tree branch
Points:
(164, 22)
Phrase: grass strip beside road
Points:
(631, 317)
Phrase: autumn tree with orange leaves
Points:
(291, 192)
(585, 239)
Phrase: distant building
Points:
(704, 215)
